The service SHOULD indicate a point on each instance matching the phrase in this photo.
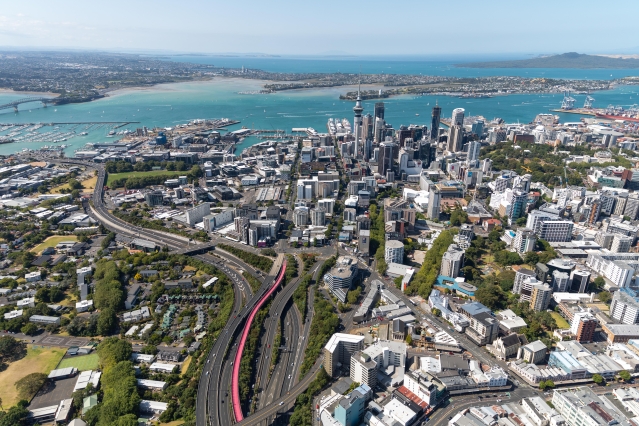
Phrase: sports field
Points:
(38, 360)
(82, 363)
(53, 241)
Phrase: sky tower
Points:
(357, 122)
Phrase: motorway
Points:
(213, 404)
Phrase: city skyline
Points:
(329, 29)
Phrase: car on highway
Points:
(282, 403)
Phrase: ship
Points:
(619, 113)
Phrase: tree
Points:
(598, 379)
(29, 329)
(74, 184)
(490, 295)
(625, 376)
(106, 321)
(113, 350)
(599, 283)
(381, 266)
(458, 216)
(436, 312)
(409, 339)
(531, 258)
(605, 297)
(30, 384)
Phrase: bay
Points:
(170, 104)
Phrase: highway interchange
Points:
(275, 394)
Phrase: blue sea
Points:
(170, 104)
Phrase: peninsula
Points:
(565, 60)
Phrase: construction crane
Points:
(526, 168)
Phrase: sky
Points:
(299, 27)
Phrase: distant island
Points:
(565, 60)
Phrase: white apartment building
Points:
(624, 307)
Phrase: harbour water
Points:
(171, 104)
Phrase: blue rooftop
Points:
(475, 308)
(452, 284)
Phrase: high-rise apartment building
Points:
(339, 349)
(394, 251)
(625, 306)
(540, 297)
(452, 261)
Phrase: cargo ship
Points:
(618, 113)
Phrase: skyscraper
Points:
(379, 110)
(455, 138)
(386, 155)
(458, 117)
(434, 123)
(434, 198)
(357, 124)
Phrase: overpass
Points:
(14, 104)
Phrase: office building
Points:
(455, 139)
(434, 199)
(386, 156)
(604, 239)
(625, 306)
(377, 357)
(318, 217)
(580, 279)
(452, 261)
(394, 252)
(434, 122)
(516, 206)
(525, 241)
(340, 277)
(458, 117)
(154, 198)
(338, 351)
(478, 128)
(540, 297)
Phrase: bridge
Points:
(196, 249)
(17, 102)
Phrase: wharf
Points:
(121, 123)
(580, 111)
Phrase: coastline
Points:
(20, 92)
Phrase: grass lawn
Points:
(561, 322)
(82, 363)
(114, 176)
(185, 364)
(53, 241)
(87, 184)
(40, 360)
(173, 423)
